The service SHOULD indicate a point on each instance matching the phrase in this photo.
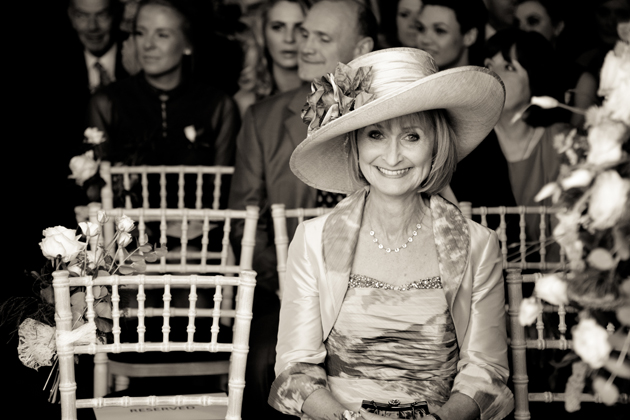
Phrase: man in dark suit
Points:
(332, 32)
(95, 23)
(92, 58)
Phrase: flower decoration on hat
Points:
(334, 95)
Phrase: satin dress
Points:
(392, 342)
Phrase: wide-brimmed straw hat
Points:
(387, 84)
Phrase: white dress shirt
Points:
(107, 60)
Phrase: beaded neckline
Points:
(361, 281)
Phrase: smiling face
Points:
(515, 78)
(532, 16)
(328, 36)
(406, 17)
(395, 156)
(93, 22)
(440, 35)
(283, 22)
(160, 41)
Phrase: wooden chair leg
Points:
(100, 375)
(518, 345)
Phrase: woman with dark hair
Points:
(519, 149)
(452, 31)
(397, 27)
(543, 16)
(161, 116)
(271, 52)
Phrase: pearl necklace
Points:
(403, 246)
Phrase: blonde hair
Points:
(443, 161)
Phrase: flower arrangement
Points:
(593, 194)
(334, 95)
(67, 249)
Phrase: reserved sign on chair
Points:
(164, 412)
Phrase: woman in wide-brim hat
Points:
(393, 297)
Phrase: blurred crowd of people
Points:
(238, 72)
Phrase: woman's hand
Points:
(369, 416)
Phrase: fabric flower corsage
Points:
(334, 95)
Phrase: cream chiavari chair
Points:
(281, 237)
(133, 174)
(184, 258)
(519, 258)
(219, 262)
(520, 343)
(238, 347)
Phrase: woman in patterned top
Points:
(394, 296)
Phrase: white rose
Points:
(125, 224)
(590, 342)
(618, 103)
(601, 259)
(578, 178)
(124, 239)
(550, 190)
(552, 289)
(545, 102)
(529, 310)
(605, 140)
(615, 70)
(191, 133)
(608, 392)
(566, 234)
(102, 217)
(93, 136)
(90, 229)
(83, 167)
(61, 241)
(609, 196)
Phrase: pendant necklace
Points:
(403, 246)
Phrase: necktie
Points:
(104, 78)
(328, 199)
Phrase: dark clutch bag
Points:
(395, 409)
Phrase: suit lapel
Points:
(293, 123)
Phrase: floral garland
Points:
(67, 250)
(337, 94)
(593, 195)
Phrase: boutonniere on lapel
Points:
(192, 134)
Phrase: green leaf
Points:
(145, 248)
(137, 257)
(125, 269)
(139, 267)
(48, 294)
(77, 301)
(102, 273)
(161, 251)
(151, 257)
(99, 291)
(76, 315)
(103, 325)
(103, 310)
